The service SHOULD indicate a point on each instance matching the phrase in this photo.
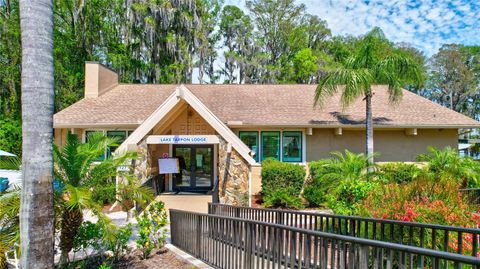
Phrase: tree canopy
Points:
(205, 41)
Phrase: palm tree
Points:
(375, 62)
(77, 169)
(37, 212)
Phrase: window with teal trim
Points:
(120, 136)
(250, 138)
(292, 146)
(270, 145)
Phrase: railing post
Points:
(249, 246)
(199, 236)
(363, 256)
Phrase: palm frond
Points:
(356, 83)
(10, 163)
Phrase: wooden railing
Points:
(450, 239)
(228, 242)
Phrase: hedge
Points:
(282, 183)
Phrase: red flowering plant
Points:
(426, 200)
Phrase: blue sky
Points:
(424, 24)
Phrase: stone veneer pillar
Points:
(233, 173)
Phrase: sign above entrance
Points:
(183, 139)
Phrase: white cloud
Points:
(426, 24)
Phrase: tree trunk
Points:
(37, 212)
(71, 220)
(369, 128)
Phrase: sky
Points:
(424, 24)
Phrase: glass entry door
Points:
(196, 167)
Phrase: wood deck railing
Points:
(229, 242)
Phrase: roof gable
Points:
(183, 93)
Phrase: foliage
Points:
(10, 163)
(447, 163)
(11, 136)
(347, 196)
(281, 183)
(151, 228)
(89, 235)
(9, 223)
(375, 61)
(335, 175)
(129, 189)
(75, 169)
(399, 172)
(454, 78)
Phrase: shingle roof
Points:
(271, 105)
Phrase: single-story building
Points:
(221, 133)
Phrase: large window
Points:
(270, 145)
(285, 146)
(251, 140)
(292, 146)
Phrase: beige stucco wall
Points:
(393, 145)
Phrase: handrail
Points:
(429, 236)
(387, 221)
(221, 241)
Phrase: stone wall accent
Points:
(233, 173)
(143, 163)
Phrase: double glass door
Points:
(196, 167)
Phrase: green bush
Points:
(399, 172)
(104, 194)
(282, 183)
(318, 185)
(346, 198)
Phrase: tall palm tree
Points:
(37, 212)
(374, 62)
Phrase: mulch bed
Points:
(161, 259)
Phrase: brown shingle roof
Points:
(273, 105)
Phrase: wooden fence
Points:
(229, 242)
(437, 237)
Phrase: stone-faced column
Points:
(233, 173)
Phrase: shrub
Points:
(426, 200)
(347, 197)
(151, 228)
(399, 172)
(328, 175)
(447, 163)
(282, 183)
(318, 185)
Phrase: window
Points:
(270, 145)
(87, 135)
(251, 140)
(292, 146)
(120, 135)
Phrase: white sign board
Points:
(168, 166)
(183, 139)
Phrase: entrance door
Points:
(196, 167)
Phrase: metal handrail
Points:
(429, 236)
(221, 241)
(386, 221)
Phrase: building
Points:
(221, 133)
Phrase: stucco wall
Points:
(393, 145)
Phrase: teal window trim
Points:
(262, 151)
(299, 136)
(257, 140)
